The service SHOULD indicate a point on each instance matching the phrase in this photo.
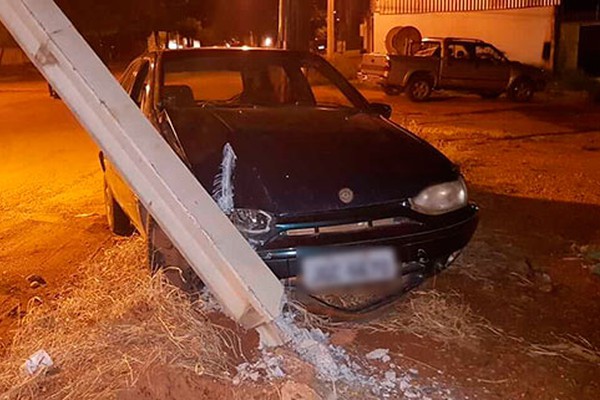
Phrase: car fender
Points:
(124, 196)
(517, 77)
(415, 73)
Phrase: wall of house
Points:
(568, 51)
(521, 33)
(568, 46)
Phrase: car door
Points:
(459, 67)
(134, 81)
(492, 68)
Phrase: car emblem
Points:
(346, 195)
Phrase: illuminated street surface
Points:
(534, 169)
(52, 214)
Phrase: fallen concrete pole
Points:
(245, 287)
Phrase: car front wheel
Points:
(419, 88)
(521, 91)
(118, 221)
(163, 256)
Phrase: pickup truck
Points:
(457, 64)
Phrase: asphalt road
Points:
(51, 208)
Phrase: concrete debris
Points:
(335, 365)
(379, 354)
(208, 301)
(268, 367)
(38, 362)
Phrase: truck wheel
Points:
(163, 256)
(392, 90)
(521, 91)
(419, 88)
(118, 221)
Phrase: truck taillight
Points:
(387, 67)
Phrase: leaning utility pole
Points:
(248, 291)
(330, 28)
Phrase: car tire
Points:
(118, 221)
(490, 95)
(521, 91)
(163, 256)
(392, 90)
(419, 88)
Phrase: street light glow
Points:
(268, 42)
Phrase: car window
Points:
(140, 89)
(262, 79)
(146, 91)
(128, 77)
(324, 93)
(260, 83)
(487, 53)
(208, 84)
(428, 49)
(459, 51)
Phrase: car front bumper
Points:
(426, 247)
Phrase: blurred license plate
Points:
(349, 268)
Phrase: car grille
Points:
(353, 227)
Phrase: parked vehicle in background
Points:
(315, 177)
(468, 65)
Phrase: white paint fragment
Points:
(223, 184)
(38, 361)
(379, 354)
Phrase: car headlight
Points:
(251, 222)
(441, 199)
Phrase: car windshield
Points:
(253, 78)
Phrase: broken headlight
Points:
(251, 222)
(441, 199)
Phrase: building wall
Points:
(568, 46)
(436, 6)
(568, 52)
(521, 33)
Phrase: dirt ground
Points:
(531, 273)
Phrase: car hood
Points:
(296, 160)
(527, 68)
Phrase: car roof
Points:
(458, 39)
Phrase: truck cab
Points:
(462, 64)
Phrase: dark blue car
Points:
(327, 189)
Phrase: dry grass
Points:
(569, 348)
(440, 316)
(443, 317)
(108, 331)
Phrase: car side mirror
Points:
(385, 110)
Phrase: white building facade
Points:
(524, 29)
